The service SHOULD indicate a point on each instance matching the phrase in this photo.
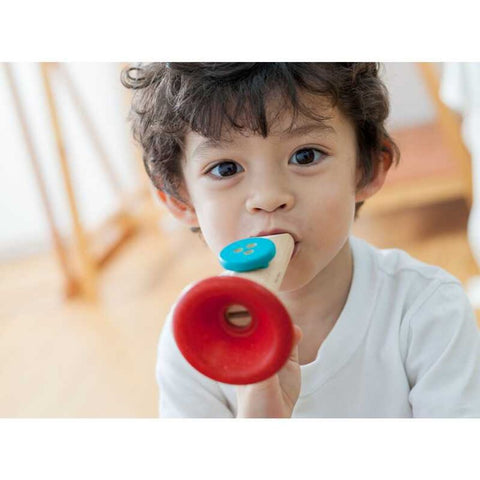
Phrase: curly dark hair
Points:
(171, 99)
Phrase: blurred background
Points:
(90, 263)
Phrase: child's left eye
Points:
(306, 156)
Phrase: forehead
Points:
(283, 123)
(282, 120)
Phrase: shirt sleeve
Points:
(185, 392)
(443, 355)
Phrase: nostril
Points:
(267, 202)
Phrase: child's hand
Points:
(275, 397)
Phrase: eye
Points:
(307, 156)
(225, 169)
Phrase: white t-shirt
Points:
(405, 345)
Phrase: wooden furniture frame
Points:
(448, 183)
(82, 261)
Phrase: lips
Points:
(276, 231)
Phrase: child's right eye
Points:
(225, 169)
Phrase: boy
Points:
(247, 149)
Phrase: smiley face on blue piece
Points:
(247, 254)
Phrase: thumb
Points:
(297, 337)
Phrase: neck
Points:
(318, 304)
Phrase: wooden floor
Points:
(69, 359)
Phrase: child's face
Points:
(303, 184)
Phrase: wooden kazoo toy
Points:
(232, 327)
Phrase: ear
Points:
(380, 174)
(180, 210)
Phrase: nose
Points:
(270, 196)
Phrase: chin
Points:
(295, 281)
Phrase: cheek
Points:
(217, 222)
(341, 197)
(331, 213)
(336, 200)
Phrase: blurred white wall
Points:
(23, 224)
(409, 100)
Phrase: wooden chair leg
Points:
(124, 200)
(88, 270)
(71, 285)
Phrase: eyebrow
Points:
(308, 128)
(298, 131)
(209, 144)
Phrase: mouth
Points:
(276, 231)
